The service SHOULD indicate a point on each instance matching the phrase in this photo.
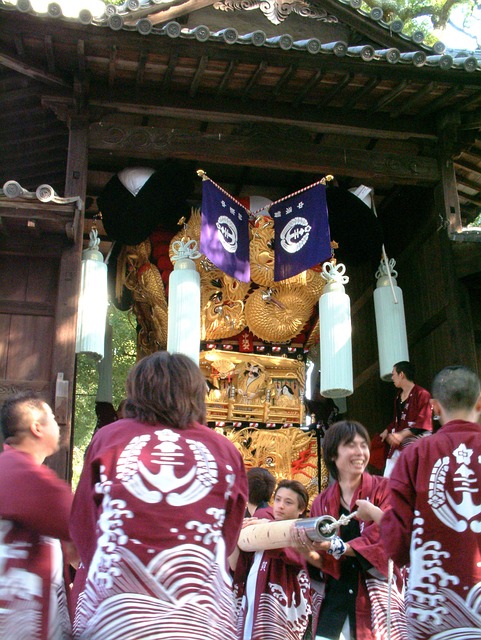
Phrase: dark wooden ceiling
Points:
(261, 120)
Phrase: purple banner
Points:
(301, 227)
(224, 233)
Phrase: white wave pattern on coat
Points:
(183, 588)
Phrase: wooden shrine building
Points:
(266, 98)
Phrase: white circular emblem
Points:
(174, 478)
(295, 234)
(227, 233)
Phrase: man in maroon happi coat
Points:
(157, 510)
(412, 416)
(34, 515)
(435, 520)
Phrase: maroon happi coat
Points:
(282, 601)
(34, 514)
(416, 414)
(371, 601)
(156, 513)
(435, 523)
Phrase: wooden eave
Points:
(364, 120)
(26, 214)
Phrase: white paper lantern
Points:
(93, 301)
(183, 335)
(335, 331)
(392, 340)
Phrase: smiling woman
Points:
(354, 565)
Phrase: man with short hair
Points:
(34, 516)
(412, 414)
(435, 520)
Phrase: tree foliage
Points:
(437, 12)
(124, 357)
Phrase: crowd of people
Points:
(150, 539)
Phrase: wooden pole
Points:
(277, 534)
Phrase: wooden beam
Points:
(112, 63)
(471, 121)
(226, 77)
(440, 102)
(471, 151)
(469, 166)
(81, 58)
(310, 84)
(16, 307)
(139, 80)
(49, 54)
(19, 47)
(261, 67)
(389, 97)
(169, 71)
(414, 100)
(32, 72)
(474, 99)
(476, 186)
(283, 81)
(473, 199)
(340, 86)
(267, 153)
(352, 101)
(199, 72)
(231, 110)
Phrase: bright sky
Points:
(70, 8)
(454, 39)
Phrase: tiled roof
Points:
(133, 15)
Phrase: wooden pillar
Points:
(63, 361)
(458, 310)
(447, 201)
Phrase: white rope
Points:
(343, 520)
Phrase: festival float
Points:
(238, 287)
